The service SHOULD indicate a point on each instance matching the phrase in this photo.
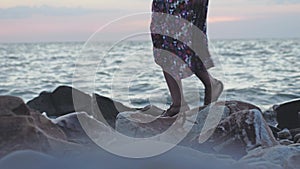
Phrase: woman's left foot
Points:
(174, 110)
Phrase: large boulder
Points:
(145, 118)
(230, 127)
(60, 101)
(242, 132)
(64, 100)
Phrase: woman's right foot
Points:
(213, 94)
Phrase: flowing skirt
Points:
(176, 29)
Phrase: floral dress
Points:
(173, 35)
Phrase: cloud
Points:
(21, 12)
(224, 19)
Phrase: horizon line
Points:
(144, 40)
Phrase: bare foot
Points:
(214, 94)
(174, 110)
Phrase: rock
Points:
(20, 133)
(30, 130)
(60, 101)
(280, 156)
(142, 123)
(183, 157)
(177, 158)
(226, 109)
(138, 124)
(72, 128)
(47, 126)
(297, 138)
(27, 159)
(236, 106)
(152, 110)
(275, 130)
(39, 120)
(294, 132)
(285, 134)
(241, 130)
(72, 125)
(270, 116)
(293, 162)
(10, 105)
(133, 124)
(288, 114)
(108, 109)
(286, 142)
(263, 165)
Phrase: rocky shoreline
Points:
(48, 126)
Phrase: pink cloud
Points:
(224, 19)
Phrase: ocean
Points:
(262, 72)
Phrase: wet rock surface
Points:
(241, 131)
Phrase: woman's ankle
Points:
(178, 104)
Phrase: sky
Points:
(74, 20)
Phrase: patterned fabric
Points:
(174, 56)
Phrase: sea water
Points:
(262, 72)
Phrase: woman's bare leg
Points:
(175, 88)
(213, 87)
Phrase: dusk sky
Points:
(74, 20)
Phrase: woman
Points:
(175, 54)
